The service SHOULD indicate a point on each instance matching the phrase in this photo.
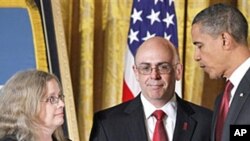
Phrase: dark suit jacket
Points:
(239, 111)
(125, 122)
(13, 138)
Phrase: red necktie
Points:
(223, 110)
(160, 133)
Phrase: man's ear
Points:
(226, 40)
(178, 71)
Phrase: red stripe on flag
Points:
(127, 94)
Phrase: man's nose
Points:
(197, 55)
(155, 73)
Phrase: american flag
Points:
(149, 18)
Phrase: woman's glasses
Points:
(54, 99)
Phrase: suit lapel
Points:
(241, 94)
(239, 99)
(185, 124)
(237, 103)
(136, 127)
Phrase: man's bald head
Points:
(158, 44)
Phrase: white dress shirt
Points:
(237, 75)
(170, 110)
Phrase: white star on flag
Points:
(166, 36)
(133, 36)
(169, 19)
(157, 1)
(136, 15)
(170, 2)
(154, 16)
(148, 36)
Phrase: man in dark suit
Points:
(219, 34)
(156, 68)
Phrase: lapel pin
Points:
(185, 126)
(241, 94)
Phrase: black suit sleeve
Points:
(97, 131)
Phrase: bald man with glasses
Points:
(157, 113)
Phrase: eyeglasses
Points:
(54, 99)
(164, 68)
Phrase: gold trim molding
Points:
(64, 71)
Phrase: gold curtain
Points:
(116, 18)
(244, 5)
(96, 32)
(192, 87)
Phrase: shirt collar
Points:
(169, 108)
(238, 74)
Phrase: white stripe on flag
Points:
(130, 78)
(178, 88)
